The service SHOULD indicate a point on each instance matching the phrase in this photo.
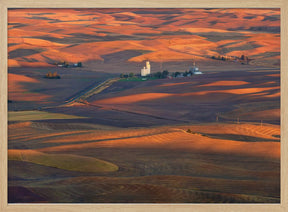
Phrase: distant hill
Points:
(41, 37)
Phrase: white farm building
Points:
(195, 69)
(145, 70)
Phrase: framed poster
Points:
(126, 106)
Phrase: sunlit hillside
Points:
(200, 123)
(43, 37)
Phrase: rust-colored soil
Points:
(159, 35)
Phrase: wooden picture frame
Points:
(5, 4)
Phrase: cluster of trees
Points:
(243, 58)
(184, 74)
(164, 74)
(79, 64)
(66, 64)
(221, 57)
(54, 75)
(161, 75)
(130, 75)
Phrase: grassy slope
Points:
(63, 161)
(37, 115)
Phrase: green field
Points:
(37, 115)
(138, 79)
(63, 161)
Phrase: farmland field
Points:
(142, 129)
(100, 133)
(36, 115)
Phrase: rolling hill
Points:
(41, 37)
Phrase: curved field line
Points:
(62, 161)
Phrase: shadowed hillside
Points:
(85, 127)
(42, 37)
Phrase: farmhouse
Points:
(195, 69)
(145, 70)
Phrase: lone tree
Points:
(165, 73)
(49, 74)
(158, 74)
(55, 74)
(247, 60)
(177, 73)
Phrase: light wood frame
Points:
(5, 4)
